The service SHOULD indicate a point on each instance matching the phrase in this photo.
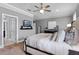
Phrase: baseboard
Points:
(20, 41)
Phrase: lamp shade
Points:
(68, 25)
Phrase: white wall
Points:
(21, 17)
(61, 22)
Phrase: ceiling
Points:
(58, 9)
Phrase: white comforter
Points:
(42, 41)
(33, 40)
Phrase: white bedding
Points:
(54, 47)
(32, 40)
(42, 41)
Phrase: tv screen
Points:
(27, 23)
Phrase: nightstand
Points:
(50, 30)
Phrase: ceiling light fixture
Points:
(42, 11)
(42, 8)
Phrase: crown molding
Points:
(10, 7)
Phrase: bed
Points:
(56, 46)
(43, 42)
(59, 43)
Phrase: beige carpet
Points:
(15, 49)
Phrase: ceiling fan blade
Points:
(41, 5)
(35, 10)
(36, 6)
(48, 10)
(29, 9)
(47, 6)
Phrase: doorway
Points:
(9, 29)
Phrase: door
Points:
(9, 29)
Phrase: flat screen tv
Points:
(27, 23)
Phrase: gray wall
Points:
(77, 11)
(21, 17)
(61, 22)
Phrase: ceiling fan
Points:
(41, 8)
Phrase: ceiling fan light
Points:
(41, 11)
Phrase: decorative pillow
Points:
(51, 36)
(54, 36)
(69, 37)
(76, 37)
(61, 36)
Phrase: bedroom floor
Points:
(8, 42)
(14, 49)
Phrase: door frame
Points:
(3, 15)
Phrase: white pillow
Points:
(61, 36)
